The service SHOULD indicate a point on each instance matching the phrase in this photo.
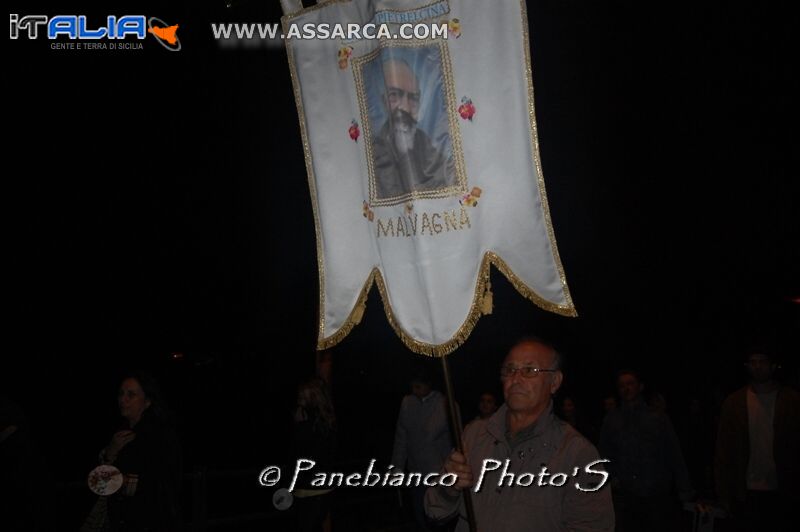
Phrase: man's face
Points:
(131, 400)
(487, 405)
(420, 389)
(402, 103)
(760, 367)
(609, 403)
(628, 387)
(402, 91)
(530, 394)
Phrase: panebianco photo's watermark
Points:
(271, 476)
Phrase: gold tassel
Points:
(358, 312)
(486, 300)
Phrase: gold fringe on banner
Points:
(481, 300)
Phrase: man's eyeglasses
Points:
(506, 372)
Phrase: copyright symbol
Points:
(270, 476)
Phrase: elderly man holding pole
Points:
(526, 469)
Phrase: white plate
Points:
(105, 479)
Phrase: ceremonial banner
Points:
(423, 163)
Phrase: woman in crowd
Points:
(146, 451)
(314, 437)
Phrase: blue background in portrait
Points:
(426, 62)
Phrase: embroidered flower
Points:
(343, 55)
(471, 199)
(454, 28)
(466, 109)
(353, 130)
(367, 212)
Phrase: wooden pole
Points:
(456, 428)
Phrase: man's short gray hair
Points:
(532, 339)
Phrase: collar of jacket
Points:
(636, 404)
(497, 424)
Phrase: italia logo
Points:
(164, 34)
(76, 27)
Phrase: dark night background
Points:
(158, 202)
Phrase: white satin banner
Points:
(423, 165)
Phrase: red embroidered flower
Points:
(354, 132)
(466, 109)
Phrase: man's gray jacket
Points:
(549, 443)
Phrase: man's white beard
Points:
(404, 138)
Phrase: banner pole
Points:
(456, 428)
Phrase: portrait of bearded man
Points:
(405, 159)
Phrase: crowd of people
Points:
(532, 459)
(738, 466)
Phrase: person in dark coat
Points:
(756, 461)
(147, 453)
(314, 438)
(27, 491)
(646, 463)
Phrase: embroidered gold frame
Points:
(460, 185)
